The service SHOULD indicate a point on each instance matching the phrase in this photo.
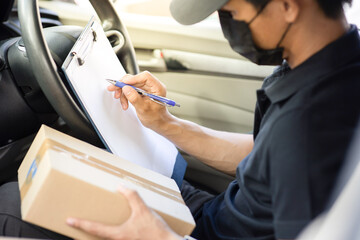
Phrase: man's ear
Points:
(291, 10)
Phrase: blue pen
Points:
(155, 98)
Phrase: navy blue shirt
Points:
(304, 121)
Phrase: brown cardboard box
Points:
(62, 176)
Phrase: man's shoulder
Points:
(334, 93)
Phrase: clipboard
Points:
(89, 63)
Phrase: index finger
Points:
(112, 88)
(147, 82)
(93, 228)
(144, 79)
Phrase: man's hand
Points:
(151, 114)
(143, 223)
(218, 149)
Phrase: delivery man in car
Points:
(305, 117)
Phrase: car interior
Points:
(196, 64)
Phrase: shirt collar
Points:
(333, 56)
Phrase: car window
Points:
(353, 13)
(161, 8)
(149, 7)
(141, 7)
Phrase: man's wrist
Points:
(167, 126)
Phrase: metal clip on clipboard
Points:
(87, 48)
(84, 45)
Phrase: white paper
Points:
(121, 130)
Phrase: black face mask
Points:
(240, 39)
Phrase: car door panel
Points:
(201, 103)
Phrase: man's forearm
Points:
(221, 150)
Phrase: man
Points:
(305, 117)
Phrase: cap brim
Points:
(188, 12)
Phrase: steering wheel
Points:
(46, 71)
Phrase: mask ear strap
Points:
(284, 34)
(259, 12)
